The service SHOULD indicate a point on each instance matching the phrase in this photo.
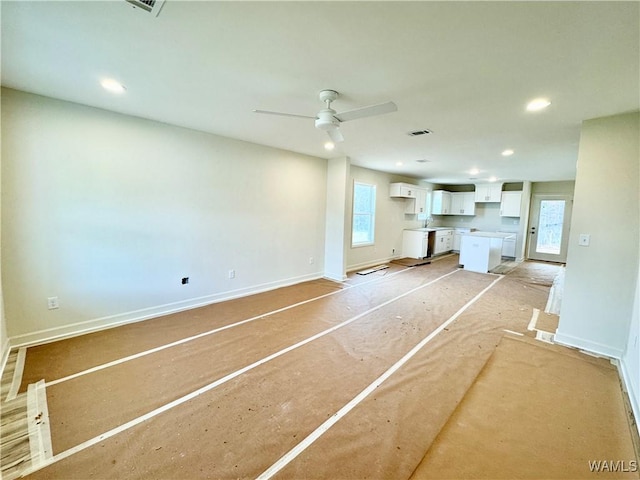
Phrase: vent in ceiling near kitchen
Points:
(150, 6)
(419, 132)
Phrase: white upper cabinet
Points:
(402, 190)
(510, 204)
(416, 197)
(463, 203)
(440, 202)
(419, 205)
(488, 192)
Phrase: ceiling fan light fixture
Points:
(326, 119)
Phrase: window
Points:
(364, 214)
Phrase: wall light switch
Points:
(584, 239)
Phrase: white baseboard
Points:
(614, 353)
(103, 323)
(631, 393)
(588, 345)
(370, 263)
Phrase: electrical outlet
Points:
(311, 260)
(52, 303)
(232, 274)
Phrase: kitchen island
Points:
(482, 251)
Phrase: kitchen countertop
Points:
(429, 229)
(502, 235)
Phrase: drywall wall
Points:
(109, 212)
(4, 337)
(630, 362)
(337, 228)
(601, 278)
(390, 219)
(560, 188)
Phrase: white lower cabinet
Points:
(415, 244)
(457, 236)
(444, 242)
(509, 247)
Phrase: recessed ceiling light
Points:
(399, 164)
(329, 146)
(493, 179)
(474, 171)
(112, 85)
(507, 153)
(538, 104)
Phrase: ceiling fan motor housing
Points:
(326, 119)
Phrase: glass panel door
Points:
(549, 227)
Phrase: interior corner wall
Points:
(523, 225)
(630, 362)
(4, 337)
(390, 219)
(109, 212)
(336, 235)
(600, 280)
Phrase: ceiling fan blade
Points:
(282, 114)
(335, 135)
(369, 111)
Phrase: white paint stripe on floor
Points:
(226, 378)
(330, 422)
(207, 333)
(534, 319)
(513, 333)
(17, 374)
(38, 424)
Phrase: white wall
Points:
(554, 188)
(630, 363)
(390, 219)
(600, 282)
(4, 337)
(337, 233)
(108, 212)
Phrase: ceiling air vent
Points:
(419, 132)
(150, 6)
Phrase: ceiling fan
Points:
(329, 120)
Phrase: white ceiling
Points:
(464, 70)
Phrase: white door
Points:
(549, 227)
